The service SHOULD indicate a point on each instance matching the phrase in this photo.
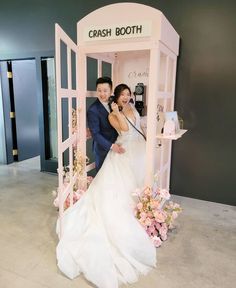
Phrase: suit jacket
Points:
(104, 135)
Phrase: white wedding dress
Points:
(102, 238)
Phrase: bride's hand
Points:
(115, 108)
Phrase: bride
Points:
(102, 238)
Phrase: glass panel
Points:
(163, 67)
(92, 73)
(160, 115)
(65, 118)
(74, 115)
(73, 70)
(64, 76)
(73, 103)
(65, 159)
(106, 69)
(89, 147)
(50, 107)
(74, 151)
(170, 74)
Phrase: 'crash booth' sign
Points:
(117, 31)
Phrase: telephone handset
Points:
(111, 100)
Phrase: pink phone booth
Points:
(142, 47)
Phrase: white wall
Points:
(133, 68)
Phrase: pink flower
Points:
(160, 216)
(140, 206)
(174, 214)
(176, 206)
(163, 232)
(171, 226)
(152, 228)
(67, 202)
(148, 221)
(149, 231)
(154, 204)
(164, 225)
(76, 196)
(56, 202)
(170, 205)
(89, 180)
(142, 222)
(153, 214)
(150, 214)
(147, 191)
(155, 233)
(156, 241)
(158, 226)
(164, 237)
(143, 215)
(164, 194)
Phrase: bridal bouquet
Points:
(154, 214)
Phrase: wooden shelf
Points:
(172, 137)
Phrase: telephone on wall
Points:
(139, 94)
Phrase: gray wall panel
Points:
(26, 111)
(3, 156)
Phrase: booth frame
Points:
(161, 48)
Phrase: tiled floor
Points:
(201, 252)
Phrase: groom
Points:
(104, 135)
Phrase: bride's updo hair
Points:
(119, 89)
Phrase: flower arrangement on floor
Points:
(154, 213)
(82, 183)
(79, 165)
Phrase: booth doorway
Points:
(20, 109)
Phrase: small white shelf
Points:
(172, 137)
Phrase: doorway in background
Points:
(20, 109)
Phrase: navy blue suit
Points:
(104, 135)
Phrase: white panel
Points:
(68, 94)
(133, 67)
(169, 36)
(110, 14)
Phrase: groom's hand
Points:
(117, 148)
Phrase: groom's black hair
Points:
(103, 80)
